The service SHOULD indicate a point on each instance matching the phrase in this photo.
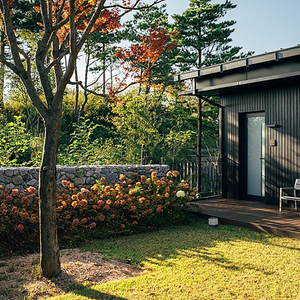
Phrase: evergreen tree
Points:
(150, 25)
(204, 39)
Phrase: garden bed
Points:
(20, 275)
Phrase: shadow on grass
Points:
(194, 239)
(82, 290)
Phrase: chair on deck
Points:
(294, 198)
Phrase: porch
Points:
(254, 215)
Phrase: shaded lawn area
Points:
(196, 261)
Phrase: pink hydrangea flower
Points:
(20, 227)
(93, 225)
(31, 189)
(76, 221)
(101, 202)
(15, 191)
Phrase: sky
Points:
(262, 25)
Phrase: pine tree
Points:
(204, 37)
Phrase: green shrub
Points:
(135, 203)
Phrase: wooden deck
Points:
(255, 215)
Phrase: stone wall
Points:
(23, 177)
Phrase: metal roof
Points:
(284, 63)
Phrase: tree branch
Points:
(18, 67)
(135, 5)
(28, 62)
(86, 89)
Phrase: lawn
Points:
(196, 261)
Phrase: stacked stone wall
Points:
(24, 177)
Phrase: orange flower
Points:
(142, 200)
(74, 204)
(65, 182)
(94, 187)
(107, 189)
(84, 202)
(60, 208)
(175, 173)
(84, 220)
(122, 177)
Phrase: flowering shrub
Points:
(135, 202)
(19, 221)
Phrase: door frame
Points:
(243, 168)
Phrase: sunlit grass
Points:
(196, 261)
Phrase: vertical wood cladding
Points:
(280, 103)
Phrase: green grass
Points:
(196, 261)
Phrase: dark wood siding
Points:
(280, 103)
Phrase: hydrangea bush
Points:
(136, 202)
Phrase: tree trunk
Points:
(2, 70)
(49, 249)
(76, 109)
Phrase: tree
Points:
(65, 26)
(204, 39)
(142, 28)
(149, 59)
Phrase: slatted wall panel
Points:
(281, 105)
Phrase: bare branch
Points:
(135, 5)
(28, 62)
(86, 89)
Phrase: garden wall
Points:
(23, 177)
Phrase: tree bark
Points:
(2, 70)
(49, 251)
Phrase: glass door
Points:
(255, 157)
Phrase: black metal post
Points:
(199, 145)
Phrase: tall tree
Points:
(65, 26)
(150, 58)
(204, 38)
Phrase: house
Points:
(259, 121)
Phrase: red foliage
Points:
(138, 60)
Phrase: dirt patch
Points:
(20, 275)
